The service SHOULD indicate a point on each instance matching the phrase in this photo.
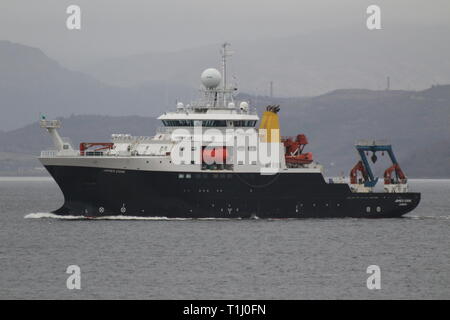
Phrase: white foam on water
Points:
(49, 215)
(427, 217)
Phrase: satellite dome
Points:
(211, 78)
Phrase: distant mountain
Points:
(32, 83)
(304, 65)
(415, 122)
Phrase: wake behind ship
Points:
(209, 161)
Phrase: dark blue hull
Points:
(96, 192)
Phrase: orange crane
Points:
(294, 150)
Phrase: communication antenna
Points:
(225, 53)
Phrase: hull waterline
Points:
(99, 192)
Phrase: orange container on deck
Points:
(218, 155)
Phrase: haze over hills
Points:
(307, 64)
(416, 122)
(32, 83)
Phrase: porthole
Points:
(378, 209)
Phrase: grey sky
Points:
(122, 27)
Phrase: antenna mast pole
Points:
(225, 54)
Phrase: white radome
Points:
(211, 78)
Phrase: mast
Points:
(225, 53)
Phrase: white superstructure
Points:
(214, 120)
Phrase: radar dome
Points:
(211, 78)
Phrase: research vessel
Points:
(215, 158)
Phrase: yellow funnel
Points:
(270, 125)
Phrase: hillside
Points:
(307, 64)
(32, 83)
(416, 123)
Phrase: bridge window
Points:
(214, 123)
(244, 123)
(208, 123)
(178, 123)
